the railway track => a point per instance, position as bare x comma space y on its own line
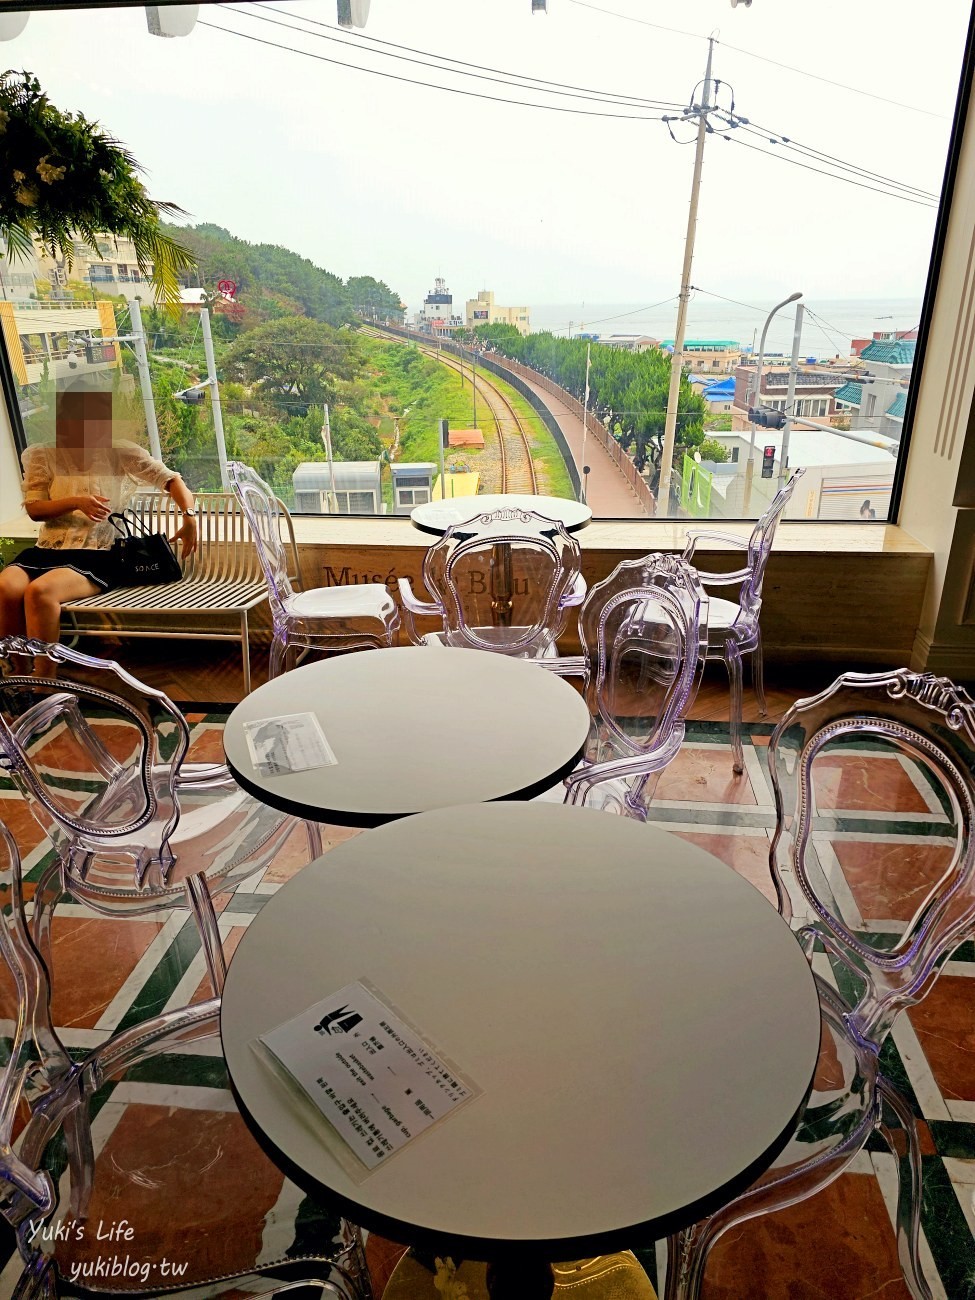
517, 469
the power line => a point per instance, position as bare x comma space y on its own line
822, 172
603, 320
841, 85
643, 22
614, 96
451, 90
787, 142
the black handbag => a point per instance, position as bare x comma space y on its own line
141, 558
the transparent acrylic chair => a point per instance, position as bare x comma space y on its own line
733, 627
100, 760
501, 581
99, 757
644, 637
166, 1157
867, 979
325, 618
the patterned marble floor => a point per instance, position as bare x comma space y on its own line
892, 834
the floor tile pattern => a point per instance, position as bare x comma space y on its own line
890, 840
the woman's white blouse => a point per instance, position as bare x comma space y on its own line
116, 472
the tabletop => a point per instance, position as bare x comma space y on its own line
415, 728
642, 1024
437, 516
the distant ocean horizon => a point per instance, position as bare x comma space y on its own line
839, 321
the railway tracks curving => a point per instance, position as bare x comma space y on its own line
516, 466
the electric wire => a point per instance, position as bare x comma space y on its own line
842, 85
574, 111
893, 194
412, 81
636, 100
787, 142
788, 67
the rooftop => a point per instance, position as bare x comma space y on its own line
896, 352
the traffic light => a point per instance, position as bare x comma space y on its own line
765, 418
768, 462
191, 396
445, 434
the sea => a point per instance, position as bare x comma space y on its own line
829, 324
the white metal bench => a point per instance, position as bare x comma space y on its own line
223, 576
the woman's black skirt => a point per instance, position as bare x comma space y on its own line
96, 565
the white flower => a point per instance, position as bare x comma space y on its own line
49, 174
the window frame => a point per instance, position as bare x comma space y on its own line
8, 384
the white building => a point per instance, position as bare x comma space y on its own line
483, 310
844, 479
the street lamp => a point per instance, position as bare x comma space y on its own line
754, 396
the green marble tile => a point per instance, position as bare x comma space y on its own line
953, 1139
947, 1231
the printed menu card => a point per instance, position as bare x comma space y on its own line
369, 1073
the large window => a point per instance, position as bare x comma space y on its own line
438, 217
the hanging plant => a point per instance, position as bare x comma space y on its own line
63, 178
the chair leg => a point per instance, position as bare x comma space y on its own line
201, 905
758, 674
733, 660
81, 1156
279, 648
314, 834
894, 1108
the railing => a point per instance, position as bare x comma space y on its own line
594, 427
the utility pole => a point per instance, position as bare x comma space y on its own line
670, 425
145, 378
585, 417
790, 397
215, 398
474, 383
333, 505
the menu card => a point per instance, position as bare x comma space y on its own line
293, 742
369, 1073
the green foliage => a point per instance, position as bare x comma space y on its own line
295, 359
66, 178
719, 423
711, 449
627, 390
271, 281
374, 298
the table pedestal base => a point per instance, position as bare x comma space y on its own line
607, 1277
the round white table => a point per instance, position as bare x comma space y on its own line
437, 516
414, 729
642, 1024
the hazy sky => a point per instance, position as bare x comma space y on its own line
372, 176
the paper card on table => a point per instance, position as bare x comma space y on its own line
371, 1075
293, 742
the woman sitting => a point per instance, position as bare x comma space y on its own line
72, 488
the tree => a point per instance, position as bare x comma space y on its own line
373, 298
296, 359
65, 178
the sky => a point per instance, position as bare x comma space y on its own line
366, 175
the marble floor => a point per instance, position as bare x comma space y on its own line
176, 1162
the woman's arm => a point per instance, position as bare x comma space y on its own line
183, 497
95, 507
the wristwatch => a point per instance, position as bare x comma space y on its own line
189, 514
